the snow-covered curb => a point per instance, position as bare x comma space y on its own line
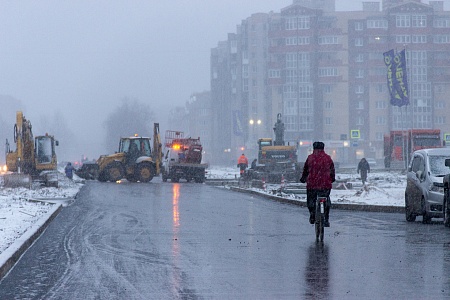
12, 254
339, 204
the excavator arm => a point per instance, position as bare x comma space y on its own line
157, 148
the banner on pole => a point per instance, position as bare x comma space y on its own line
397, 77
237, 123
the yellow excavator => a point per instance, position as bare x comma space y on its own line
33, 159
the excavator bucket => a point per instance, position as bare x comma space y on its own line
14, 180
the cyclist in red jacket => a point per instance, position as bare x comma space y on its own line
319, 174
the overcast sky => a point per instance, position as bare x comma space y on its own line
82, 57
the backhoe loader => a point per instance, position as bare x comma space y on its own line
135, 160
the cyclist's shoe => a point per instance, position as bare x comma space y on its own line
326, 223
312, 219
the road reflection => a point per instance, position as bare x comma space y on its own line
176, 273
317, 272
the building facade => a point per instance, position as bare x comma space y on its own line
324, 71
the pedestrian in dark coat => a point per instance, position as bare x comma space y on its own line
363, 169
69, 170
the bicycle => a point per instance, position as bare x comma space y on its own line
321, 203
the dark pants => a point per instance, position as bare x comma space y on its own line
242, 168
311, 197
363, 176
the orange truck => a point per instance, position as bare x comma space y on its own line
400, 144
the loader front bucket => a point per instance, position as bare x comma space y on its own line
14, 180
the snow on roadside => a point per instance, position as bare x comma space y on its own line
21, 208
385, 188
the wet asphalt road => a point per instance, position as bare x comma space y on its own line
193, 241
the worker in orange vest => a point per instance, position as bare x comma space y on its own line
242, 163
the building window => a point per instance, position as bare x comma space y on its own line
326, 89
291, 41
440, 120
419, 74
380, 105
328, 121
380, 120
291, 60
305, 91
442, 23
303, 40
419, 39
359, 26
304, 22
403, 39
245, 85
359, 89
290, 23
328, 40
360, 105
418, 21
359, 42
377, 24
328, 105
439, 89
245, 71
439, 104
328, 72
273, 73
360, 121
403, 21
441, 39
379, 88
359, 57
379, 136
359, 73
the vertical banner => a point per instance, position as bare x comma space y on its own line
397, 77
389, 62
237, 123
400, 79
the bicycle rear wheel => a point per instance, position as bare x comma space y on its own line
319, 229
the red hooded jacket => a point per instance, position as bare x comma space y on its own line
318, 172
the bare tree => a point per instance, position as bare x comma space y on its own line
131, 117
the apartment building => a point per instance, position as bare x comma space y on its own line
324, 71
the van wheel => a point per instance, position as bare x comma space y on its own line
410, 216
426, 219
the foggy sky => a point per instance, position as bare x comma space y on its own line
80, 58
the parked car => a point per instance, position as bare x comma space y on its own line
424, 192
446, 202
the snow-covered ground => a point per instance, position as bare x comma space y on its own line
382, 188
19, 210
22, 208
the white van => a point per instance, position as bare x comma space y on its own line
424, 192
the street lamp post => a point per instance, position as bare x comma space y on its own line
253, 123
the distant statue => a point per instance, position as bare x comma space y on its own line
279, 132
